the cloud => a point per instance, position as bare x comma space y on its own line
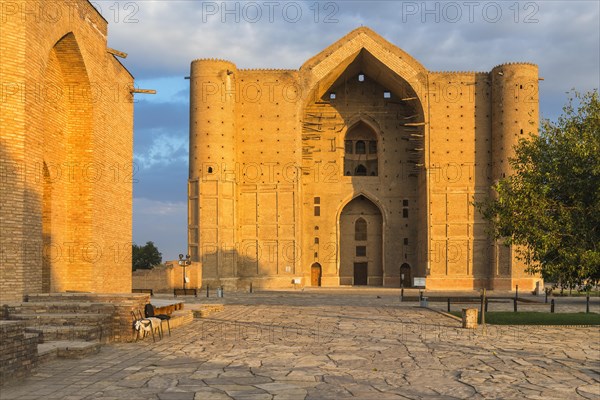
163, 222
556, 35
164, 150
169, 89
148, 207
163, 37
173, 116
162, 182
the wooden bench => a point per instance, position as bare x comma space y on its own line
149, 291
185, 292
164, 306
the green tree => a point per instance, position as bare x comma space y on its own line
550, 207
145, 257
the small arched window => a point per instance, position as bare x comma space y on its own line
361, 148
361, 152
372, 147
348, 146
360, 230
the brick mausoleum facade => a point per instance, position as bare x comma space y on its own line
65, 152
358, 168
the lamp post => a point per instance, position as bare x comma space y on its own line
184, 263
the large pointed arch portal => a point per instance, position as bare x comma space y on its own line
361, 261
67, 141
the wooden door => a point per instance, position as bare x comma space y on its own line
360, 273
405, 270
315, 275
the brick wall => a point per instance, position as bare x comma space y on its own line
121, 329
166, 278
18, 352
66, 115
253, 198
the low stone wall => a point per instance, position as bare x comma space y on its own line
122, 321
181, 317
18, 351
165, 278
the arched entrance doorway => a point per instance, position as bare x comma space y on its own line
315, 274
405, 275
361, 261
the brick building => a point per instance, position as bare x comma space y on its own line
356, 169
66, 120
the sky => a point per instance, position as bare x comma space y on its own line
163, 37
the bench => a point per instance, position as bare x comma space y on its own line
149, 291
185, 292
163, 306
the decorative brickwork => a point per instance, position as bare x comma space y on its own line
284, 164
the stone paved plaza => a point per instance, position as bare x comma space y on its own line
330, 345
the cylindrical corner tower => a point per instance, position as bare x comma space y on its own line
212, 175
515, 109
212, 119
515, 116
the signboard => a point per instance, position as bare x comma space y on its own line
419, 282
297, 281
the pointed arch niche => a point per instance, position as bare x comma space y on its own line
361, 241
67, 140
360, 155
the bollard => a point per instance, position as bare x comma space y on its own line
469, 318
250, 287
587, 303
546, 299
483, 306
222, 292
515, 304
448, 304
401, 294
517, 292
207, 290
552, 306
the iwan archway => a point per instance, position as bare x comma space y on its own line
67, 140
361, 234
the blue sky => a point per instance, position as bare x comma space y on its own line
163, 37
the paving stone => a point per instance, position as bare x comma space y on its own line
278, 388
161, 382
366, 348
210, 393
176, 396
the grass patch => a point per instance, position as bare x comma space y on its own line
537, 318
575, 293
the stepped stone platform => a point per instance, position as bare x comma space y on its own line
71, 325
204, 310
117, 327
18, 351
68, 349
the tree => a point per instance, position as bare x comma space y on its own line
550, 207
145, 257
